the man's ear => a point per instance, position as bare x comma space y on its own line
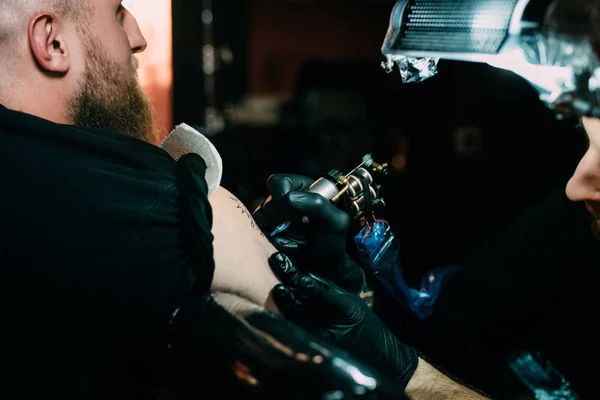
48, 45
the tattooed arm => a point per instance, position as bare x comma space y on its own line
241, 252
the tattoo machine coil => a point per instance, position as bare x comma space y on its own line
356, 192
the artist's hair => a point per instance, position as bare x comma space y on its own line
576, 17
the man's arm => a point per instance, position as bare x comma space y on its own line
236, 305
427, 383
241, 252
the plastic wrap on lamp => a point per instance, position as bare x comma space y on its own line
184, 140
413, 70
508, 34
564, 70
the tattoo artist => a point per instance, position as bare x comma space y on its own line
321, 287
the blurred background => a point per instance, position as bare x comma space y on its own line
297, 86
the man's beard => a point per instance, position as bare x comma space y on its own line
110, 99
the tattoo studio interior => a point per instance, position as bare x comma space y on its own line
341, 199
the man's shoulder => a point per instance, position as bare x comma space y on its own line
38, 149
83, 187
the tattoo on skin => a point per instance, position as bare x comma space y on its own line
245, 211
366, 293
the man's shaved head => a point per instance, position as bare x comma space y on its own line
72, 61
14, 18
15, 14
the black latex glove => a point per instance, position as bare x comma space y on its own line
318, 235
340, 318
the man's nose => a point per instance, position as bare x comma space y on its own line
584, 185
136, 38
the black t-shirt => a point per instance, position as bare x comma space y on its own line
102, 236
534, 288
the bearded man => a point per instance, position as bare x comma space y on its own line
104, 236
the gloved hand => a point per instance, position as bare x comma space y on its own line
341, 318
317, 237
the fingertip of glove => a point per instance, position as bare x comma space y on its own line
308, 284
307, 281
282, 296
277, 258
284, 243
280, 290
282, 265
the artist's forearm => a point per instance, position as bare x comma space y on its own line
427, 383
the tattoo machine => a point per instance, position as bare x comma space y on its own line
521, 36
356, 192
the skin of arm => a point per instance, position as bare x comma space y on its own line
236, 305
241, 252
427, 383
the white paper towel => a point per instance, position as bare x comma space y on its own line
184, 140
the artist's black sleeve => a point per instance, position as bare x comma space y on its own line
527, 288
